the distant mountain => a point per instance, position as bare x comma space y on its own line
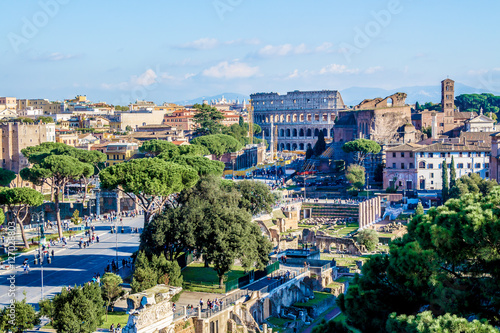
422, 94
227, 96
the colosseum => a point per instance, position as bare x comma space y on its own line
298, 116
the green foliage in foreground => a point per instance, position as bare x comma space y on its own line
448, 261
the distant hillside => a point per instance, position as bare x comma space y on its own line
422, 94
227, 96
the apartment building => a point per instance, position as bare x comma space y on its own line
418, 167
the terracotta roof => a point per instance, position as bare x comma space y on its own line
405, 147
464, 115
439, 147
477, 136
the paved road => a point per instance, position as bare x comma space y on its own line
71, 265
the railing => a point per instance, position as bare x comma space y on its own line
227, 302
178, 313
325, 267
281, 278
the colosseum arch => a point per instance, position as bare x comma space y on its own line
301, 146
282, 132
288, 146
301, 117
294, 132
288, 118
294, 118
316, 117
316, 132
294, 146
331, 132
282, 146
325, 132
282, 118
309, 117
309, 146
301, 132
309, 132
287, 132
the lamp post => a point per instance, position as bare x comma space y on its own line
39, 216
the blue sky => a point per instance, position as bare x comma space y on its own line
119, 51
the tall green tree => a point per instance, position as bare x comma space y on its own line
18, 317
6, 177
150, 180
448, 262
218, 144
453, 174
201, 164
111, 289
355, 174
193, 150
56, 171
368, 238
208, 118
420, 209
18, 200
320, 145
156, 147
157, 270
361, 149
445, 191
79, 310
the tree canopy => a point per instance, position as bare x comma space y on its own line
157, 270
79, 310
156, 147
355, 174
22, 318
201, 164
368, 238
474, 103
208, 118
18, 200
6, 177
218, 144
214, 219
448, 262
361, 148
151, 180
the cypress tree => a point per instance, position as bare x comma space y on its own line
446, 188
453, 174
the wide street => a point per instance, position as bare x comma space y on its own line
72, 265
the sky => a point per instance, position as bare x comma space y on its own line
165, 51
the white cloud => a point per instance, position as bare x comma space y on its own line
201, 44
231, 70
293, 75
278, 50
374, 69
212, 43
326, 46
56, 56
145, 79
338, 69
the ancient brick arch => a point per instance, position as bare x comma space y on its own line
324, 242
398, 99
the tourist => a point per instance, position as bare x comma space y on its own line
201, 304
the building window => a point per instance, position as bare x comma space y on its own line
394, 165
430, 166
421, 165
411, 154
460, 166
468, 165
448, 165
393, 154
486, 165
487, 174
432, 182
431, 154
402, 154
432, 174
449, 154
469, 154
460, 154
411, 166
421, 154
402, 165
478, 165
443, 155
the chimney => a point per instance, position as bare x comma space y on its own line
433, 125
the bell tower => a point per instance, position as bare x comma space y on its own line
447, 103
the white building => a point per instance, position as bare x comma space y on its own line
480, 123
418, 167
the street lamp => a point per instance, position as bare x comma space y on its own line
39, 216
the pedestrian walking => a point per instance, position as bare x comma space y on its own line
53, 254
201, 304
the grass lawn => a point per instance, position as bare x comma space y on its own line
115, 318
278, 323
318, 298
206, 279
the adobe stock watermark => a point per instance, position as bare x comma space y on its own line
32, 26
223, 6
10, 246
363, 36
